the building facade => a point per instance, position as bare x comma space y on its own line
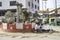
31, 5
55, 12
58, 11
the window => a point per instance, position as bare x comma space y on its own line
38, 7
29, 4
35, 0
38, 1
32, 5
52, 20
12, 3
35, 6
0, 3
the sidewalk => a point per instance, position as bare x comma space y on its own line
31, 36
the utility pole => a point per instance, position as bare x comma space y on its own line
44, 4
18, 11
55, 7
44, 7
55, 11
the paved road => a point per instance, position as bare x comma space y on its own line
30, 36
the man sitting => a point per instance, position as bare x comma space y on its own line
38, 27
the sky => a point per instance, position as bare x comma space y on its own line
50, 4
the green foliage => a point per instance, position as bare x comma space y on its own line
36, 14
9, 14
21, 5
10, 21
9, 17
26, 15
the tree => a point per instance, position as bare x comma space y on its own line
19, 11
23, 12
9, 14
9, 17
36, 14
26, 15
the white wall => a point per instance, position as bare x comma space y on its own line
4, 26
34, 3
6, 4
19, 25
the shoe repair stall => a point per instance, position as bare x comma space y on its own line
54, 21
